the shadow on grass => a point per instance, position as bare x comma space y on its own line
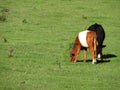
103, 61
105, 56
98, 61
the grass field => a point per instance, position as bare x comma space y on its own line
41, 33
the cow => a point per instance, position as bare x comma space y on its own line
85, 39
100, 38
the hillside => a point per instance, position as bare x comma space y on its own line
36, 37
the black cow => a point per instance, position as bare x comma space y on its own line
100, 38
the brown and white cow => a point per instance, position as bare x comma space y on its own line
85, 39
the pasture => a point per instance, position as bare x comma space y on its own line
41, 33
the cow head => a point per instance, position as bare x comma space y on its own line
73, 56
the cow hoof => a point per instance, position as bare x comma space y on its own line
94, 62
74, 61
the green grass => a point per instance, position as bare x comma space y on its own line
41, 32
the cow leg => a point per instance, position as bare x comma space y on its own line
84, 51
99, 56
99, 52
94, 61
94, 57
